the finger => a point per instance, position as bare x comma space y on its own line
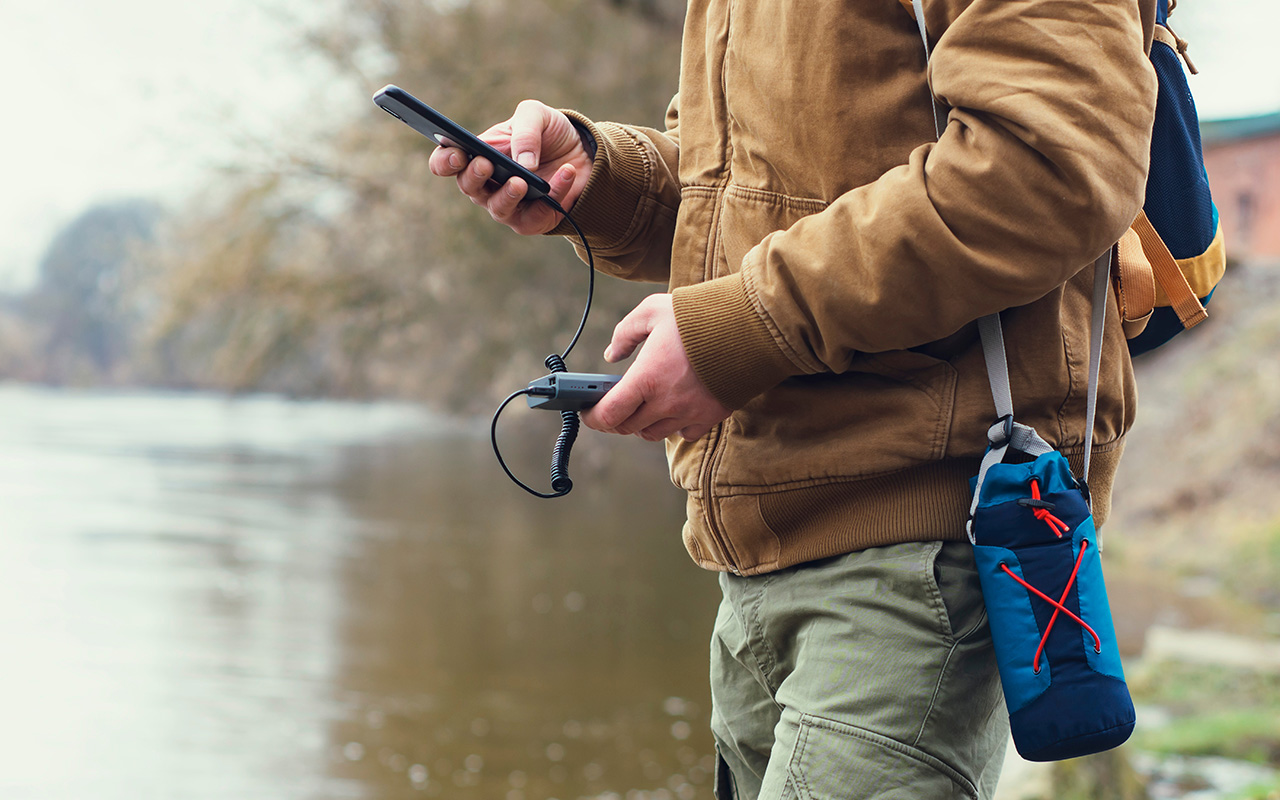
528, 126
499, 137
661, 429
503, 203
447, 161
561, 183
473, 181
629, 333
618, 405
537, 218
645, 416
693, 433
631, 411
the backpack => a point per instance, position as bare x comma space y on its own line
1172, 257
1170, 260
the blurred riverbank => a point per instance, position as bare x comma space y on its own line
260, 598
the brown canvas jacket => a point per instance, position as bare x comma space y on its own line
828, 255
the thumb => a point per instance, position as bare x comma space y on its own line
528, 125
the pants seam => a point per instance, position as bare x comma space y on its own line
937, 689
794, 772
766, 664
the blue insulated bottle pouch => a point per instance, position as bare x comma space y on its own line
1037, 556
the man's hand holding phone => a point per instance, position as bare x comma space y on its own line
539, 138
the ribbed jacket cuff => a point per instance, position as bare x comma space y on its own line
727, 342
620, 174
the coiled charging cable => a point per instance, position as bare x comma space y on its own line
569, 422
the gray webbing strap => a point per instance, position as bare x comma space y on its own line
1101, 284
993, 353
918, 7
1101, 289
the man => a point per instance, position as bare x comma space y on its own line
815, 367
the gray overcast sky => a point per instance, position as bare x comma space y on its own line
102, 100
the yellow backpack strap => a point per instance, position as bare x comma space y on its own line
1170, 278
1135, 284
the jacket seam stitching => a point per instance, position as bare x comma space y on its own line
753, 194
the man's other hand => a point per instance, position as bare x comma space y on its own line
660, 395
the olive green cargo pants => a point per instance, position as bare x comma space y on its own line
869, 675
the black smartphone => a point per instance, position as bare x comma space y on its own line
436, 126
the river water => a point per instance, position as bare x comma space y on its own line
261, 598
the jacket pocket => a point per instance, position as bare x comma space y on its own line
890, 411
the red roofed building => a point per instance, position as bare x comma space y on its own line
1242, 158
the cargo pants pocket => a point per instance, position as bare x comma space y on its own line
834, 761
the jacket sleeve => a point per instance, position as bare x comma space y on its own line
628, 208
1041, 167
